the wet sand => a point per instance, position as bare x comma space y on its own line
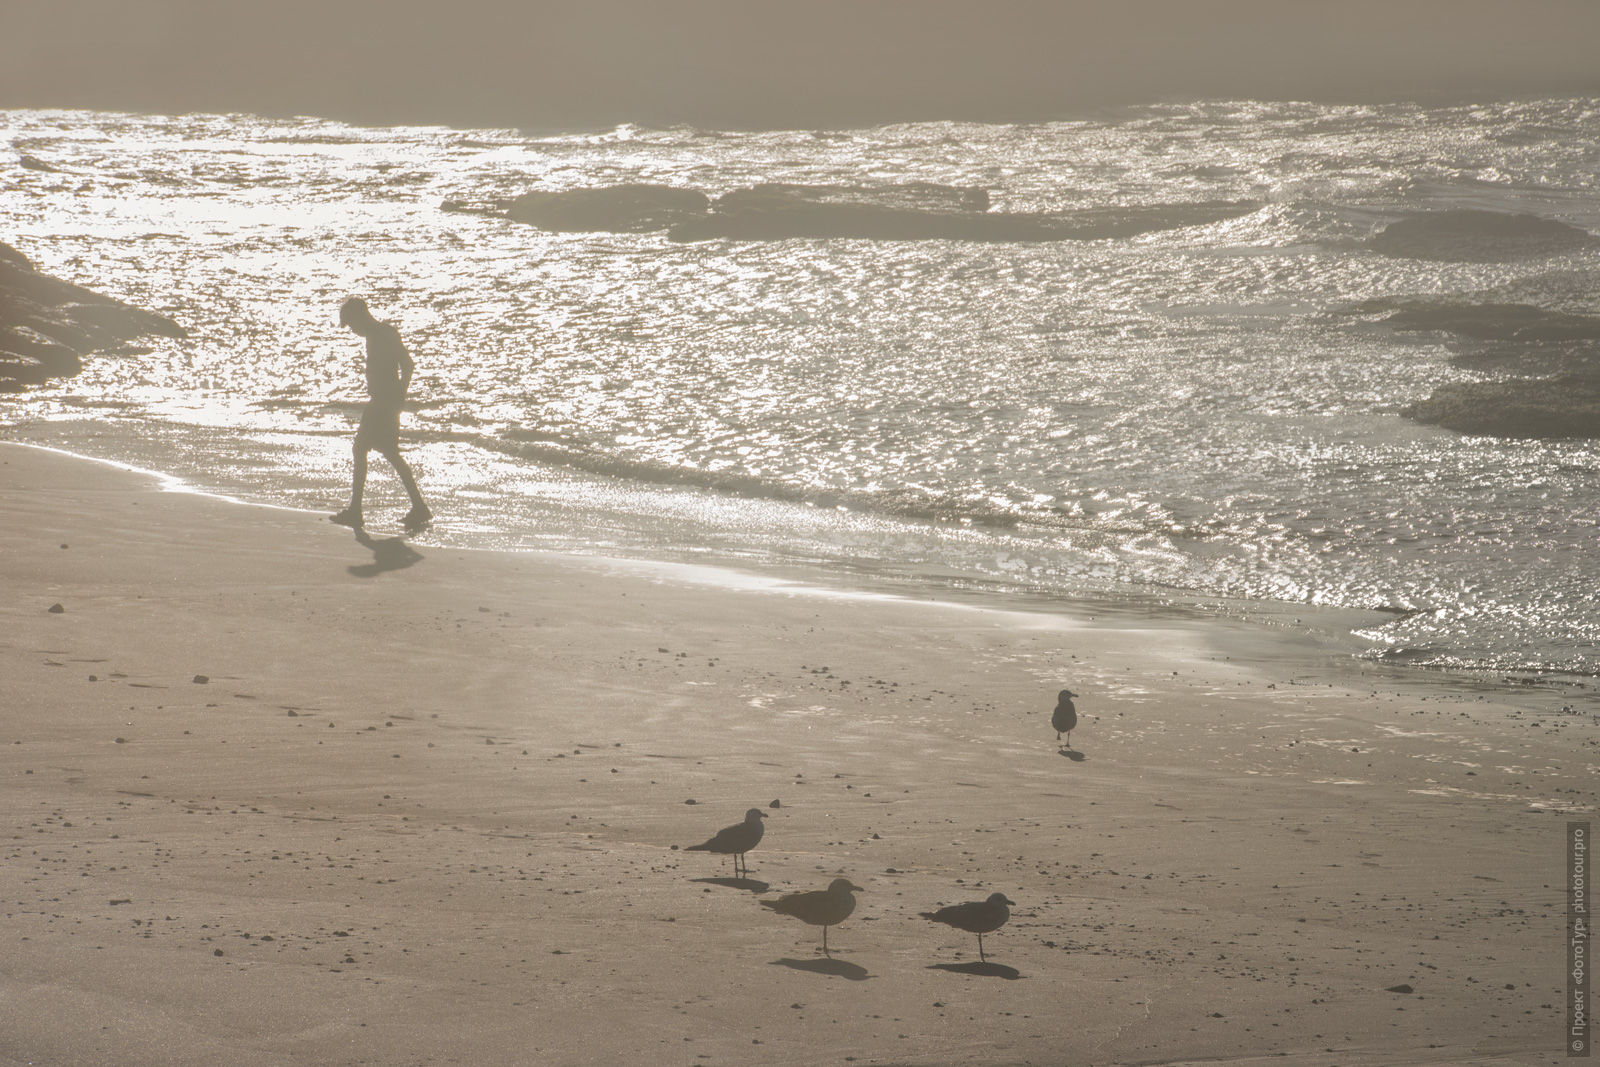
273, 795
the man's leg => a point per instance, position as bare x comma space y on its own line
351, 516
419, 512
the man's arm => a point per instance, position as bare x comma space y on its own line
395, 361
406, 368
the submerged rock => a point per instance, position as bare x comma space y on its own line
48, 325
1523, 323
1567, 406
632, 208
775, 213
905, 196
1469, 235
494, 207
1510, 339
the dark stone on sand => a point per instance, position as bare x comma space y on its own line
56, 609
634, 208
1542, 408
201, 679
48, 325
1399, 989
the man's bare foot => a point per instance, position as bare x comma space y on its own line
350, 517
417, 517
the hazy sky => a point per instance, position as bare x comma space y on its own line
537, 64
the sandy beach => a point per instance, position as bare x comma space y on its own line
275, 795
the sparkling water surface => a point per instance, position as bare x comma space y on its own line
1188, 414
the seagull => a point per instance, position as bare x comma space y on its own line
977, 917
820, 907
735, 840
1065, 717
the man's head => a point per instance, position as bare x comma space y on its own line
354, 314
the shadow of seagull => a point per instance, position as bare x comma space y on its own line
837, 968
752, 884
982, 970
388, 554
1072, 754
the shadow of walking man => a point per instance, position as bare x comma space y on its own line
388, 554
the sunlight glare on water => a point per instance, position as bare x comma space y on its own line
1202, 411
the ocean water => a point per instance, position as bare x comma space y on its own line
1205, 413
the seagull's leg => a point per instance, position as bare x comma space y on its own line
981, 957
825, 951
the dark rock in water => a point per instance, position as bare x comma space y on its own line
1463, 235
1567, 406
109, 323
494, 207
612, 209
17, 370
908, 213
1498, 322
48, 325
905, 196
1530, 361
1508, 338
55, 357
30, 163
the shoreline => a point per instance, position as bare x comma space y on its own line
1321, 639
282, 796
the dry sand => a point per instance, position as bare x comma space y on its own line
271, 795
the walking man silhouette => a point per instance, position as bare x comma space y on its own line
389, 370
